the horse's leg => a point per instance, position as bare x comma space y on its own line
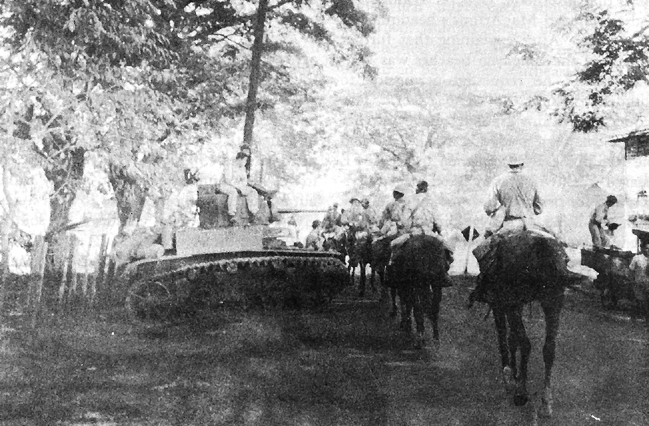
519, 340
405, 299
393, 299
388, 281
433, 299
381, 274
552, 312
500, 320
418, 303
361, 266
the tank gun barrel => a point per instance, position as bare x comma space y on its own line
281, 211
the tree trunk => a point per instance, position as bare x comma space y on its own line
129, 193
64, 168
65, 177
6, 227
255, 72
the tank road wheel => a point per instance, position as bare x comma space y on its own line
151, 300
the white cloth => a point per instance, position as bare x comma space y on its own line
638, 268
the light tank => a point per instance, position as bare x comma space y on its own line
218, 264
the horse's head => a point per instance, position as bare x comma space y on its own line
333, 241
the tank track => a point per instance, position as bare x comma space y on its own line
172, 287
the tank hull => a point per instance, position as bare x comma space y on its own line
172, 286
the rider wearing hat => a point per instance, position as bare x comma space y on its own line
512, 204
514, 197
353, 216
420, 217
370, 217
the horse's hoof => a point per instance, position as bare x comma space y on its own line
546, 409
521, 399
420, 341
546, 404
508, 379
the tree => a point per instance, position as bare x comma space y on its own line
189, 55
617, 62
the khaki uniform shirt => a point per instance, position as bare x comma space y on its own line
516, 193
353, 217
421, 213
392, 217
236, 174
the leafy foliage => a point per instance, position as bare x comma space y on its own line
617, 63
140, 82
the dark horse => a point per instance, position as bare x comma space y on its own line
380, 260
525, 267
359, 249
418, 273
334, 242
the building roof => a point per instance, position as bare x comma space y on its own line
636, 143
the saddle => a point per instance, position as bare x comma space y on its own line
520, 267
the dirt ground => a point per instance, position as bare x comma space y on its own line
346, 364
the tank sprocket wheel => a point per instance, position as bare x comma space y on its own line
151, 300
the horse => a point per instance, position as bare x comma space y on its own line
418, 273
525, 267
359, 249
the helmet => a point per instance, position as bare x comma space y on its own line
422, 185
351, 200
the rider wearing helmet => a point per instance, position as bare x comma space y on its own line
392, 219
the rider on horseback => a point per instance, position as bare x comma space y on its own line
353, 216
391, 223
421, 218
370, 216
513, 202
